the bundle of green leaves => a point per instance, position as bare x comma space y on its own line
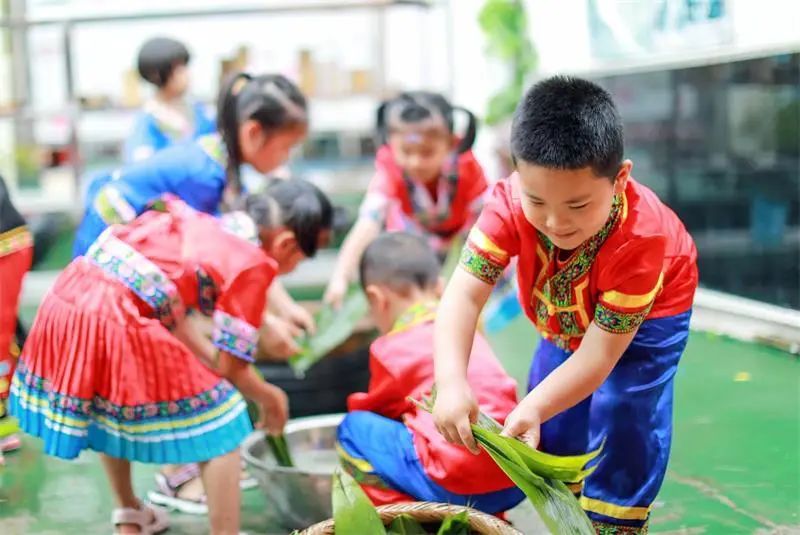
333, 328
353, 513
541, 476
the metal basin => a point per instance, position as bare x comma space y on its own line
299, 496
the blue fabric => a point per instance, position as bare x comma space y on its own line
389, 447
147, 133
186, 171
65, 431
632, 410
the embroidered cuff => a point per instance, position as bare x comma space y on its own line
619, 322
480, 264
234, 336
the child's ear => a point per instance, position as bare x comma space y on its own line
621, 180
284, 243
376, 296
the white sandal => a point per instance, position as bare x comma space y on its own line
141, 517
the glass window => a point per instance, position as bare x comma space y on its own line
721, 145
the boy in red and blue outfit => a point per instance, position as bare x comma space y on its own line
607, 274
391, 446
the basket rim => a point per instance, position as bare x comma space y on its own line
429, 511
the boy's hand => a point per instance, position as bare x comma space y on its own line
453, 412
523, 423
274, 409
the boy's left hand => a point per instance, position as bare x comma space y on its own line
523, 423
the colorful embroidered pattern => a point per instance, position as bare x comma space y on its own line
418, 313
15, 240
98, 406
234, 336
619, 322
601, 528
135, 271
480, 264
112, 207
207, 293
558, 291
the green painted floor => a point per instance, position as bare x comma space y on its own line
735, 466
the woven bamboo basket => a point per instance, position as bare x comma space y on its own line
428, 512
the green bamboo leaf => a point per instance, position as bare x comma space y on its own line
532, 472
280, 450
455, 525
557, 507
405, 525
353, 511
333, 328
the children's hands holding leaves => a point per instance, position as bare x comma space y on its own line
453, 412
524, 423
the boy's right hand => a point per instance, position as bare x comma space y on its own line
453, 412
335, 292
274, 409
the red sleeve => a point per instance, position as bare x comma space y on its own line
383, 187
238, 311
386, 394
493, 239
629, 284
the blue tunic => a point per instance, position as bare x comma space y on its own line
151, 134
194, 172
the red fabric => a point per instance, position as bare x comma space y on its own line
472, 185
647, 247
401, 365
13, 268
182, 240
94, 337
382, 496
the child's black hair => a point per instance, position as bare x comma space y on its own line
400, 261
158, 57
270, 99
417, 106
296, 204
568, 123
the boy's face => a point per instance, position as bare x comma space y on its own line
569, 206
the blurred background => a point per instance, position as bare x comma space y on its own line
709, 91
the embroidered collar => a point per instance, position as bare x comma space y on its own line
414, 315
428, 212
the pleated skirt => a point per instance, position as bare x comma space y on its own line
98, 373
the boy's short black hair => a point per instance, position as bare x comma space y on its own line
400, 261
568, 123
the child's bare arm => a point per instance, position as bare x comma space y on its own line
273, 401
456, 322
360, 236
569, 384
